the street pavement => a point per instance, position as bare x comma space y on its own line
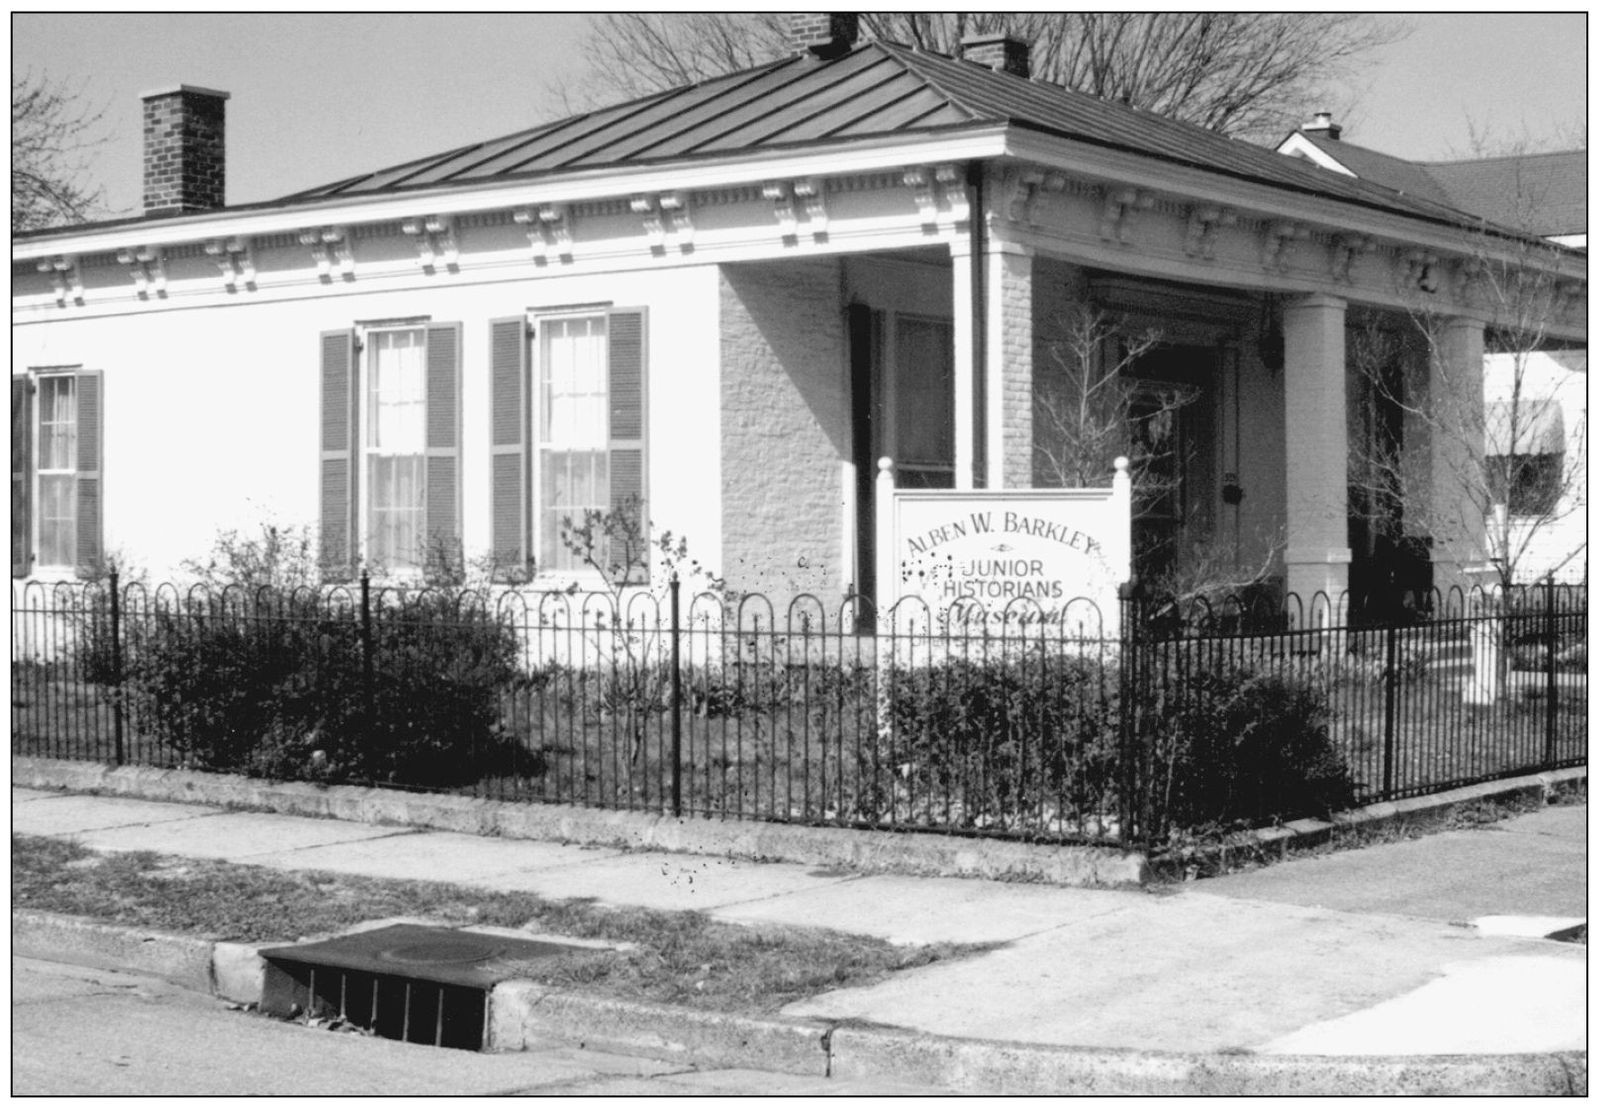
81, 1031
1319, 955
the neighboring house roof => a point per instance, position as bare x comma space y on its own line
876, 90
1543, 193
1398, 174
1546, 193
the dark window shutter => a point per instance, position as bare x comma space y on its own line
509, 447
627, 421
88, 470
22, 482
444, 378
337, 551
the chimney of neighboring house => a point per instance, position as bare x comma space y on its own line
184, 160
999, 52
824, 34
1323, 123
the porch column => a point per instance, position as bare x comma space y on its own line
1458, 500
1009, 353
1317, 556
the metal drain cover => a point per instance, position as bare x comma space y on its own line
438, 953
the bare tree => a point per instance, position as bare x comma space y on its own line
1499, 468
1084, 417
1239, 73
52, 133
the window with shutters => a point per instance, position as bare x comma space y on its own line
56, 472
390, 448
568, 434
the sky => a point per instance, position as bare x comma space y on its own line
316, 98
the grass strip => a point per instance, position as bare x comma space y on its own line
682, 958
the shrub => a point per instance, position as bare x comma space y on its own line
441, 666
262, 692
1001, 740
1238, 743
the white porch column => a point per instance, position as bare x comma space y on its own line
1458, 501
1009, 401
1315, 447
962, 318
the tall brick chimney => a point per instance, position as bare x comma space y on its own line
184, 161
824, 34
999, 52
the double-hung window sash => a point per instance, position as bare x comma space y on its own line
390, 448
394, 466
572, 430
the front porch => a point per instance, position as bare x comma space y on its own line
1245, 409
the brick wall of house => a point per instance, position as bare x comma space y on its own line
1017, 342
785, 428
1058, 289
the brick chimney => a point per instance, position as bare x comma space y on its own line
999, 52
184, 160
824, 34
1322, 124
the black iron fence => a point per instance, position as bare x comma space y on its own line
1125, 723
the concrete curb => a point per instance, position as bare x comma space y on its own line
978, 1066
524, 1014
187, 962
862, 850
1266, 844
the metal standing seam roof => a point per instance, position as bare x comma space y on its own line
877, 90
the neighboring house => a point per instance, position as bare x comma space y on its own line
1536, 403
724, 303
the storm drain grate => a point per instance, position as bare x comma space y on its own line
425, 984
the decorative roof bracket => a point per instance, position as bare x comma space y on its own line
436, 241
1418, 271
1120, 206
677, 208
1276, 242
667, 218
954, 186
1028, 189
234, 257
812, 197
550, 231
922, 184
800, 207
1204, 223
65, 278
1343, 254
781, 197
145, 265
330, 249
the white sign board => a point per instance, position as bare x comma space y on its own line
1020, 555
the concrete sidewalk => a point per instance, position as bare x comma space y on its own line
1229, 967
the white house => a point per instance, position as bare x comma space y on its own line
726, 302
